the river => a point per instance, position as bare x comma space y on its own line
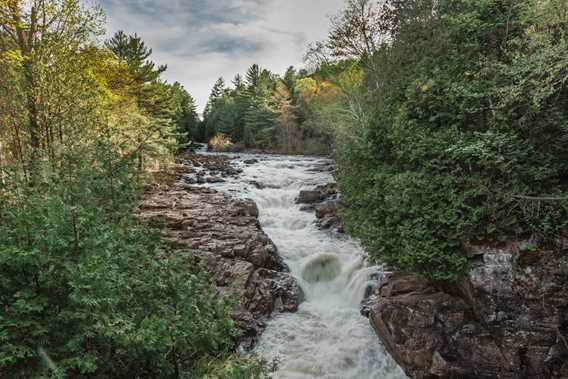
327, 338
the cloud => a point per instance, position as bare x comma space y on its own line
201, 40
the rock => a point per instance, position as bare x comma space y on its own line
246, 207
326, 201
506, 319
257, 185
327, 208
307, 208
327, 190
270, 291
214, 179
308, 197
250, 161
322, 167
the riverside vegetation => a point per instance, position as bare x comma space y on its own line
86, 290
447, 120
455, 132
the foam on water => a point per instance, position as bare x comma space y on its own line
327, 338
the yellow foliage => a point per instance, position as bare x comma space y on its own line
11, 56
220, 142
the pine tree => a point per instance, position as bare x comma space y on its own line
132, 51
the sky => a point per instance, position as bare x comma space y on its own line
201, 40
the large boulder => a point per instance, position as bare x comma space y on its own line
507, 319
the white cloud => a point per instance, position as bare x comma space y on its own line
201, 40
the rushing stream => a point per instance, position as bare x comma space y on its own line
327, 337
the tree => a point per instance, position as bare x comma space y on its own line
287, 133
443, 150
44, 35
218, 89
87, 289
132, 51
253, 76
357, 31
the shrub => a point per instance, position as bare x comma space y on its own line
464, 134
87, 291
219, 143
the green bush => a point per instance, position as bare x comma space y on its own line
87, 291
466, 136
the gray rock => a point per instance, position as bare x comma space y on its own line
309, 197
506, 319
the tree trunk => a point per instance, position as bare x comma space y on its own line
26, 41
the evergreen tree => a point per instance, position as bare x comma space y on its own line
132, 51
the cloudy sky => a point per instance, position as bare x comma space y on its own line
201, 40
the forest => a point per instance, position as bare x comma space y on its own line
85, 288
447, 121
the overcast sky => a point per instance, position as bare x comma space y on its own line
201, 40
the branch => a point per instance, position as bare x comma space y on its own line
540, 198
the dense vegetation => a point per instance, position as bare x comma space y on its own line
269, 112
85, 289
457, 132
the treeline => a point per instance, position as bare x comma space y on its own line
457, 132
266, 111
85, 289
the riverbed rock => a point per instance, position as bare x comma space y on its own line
225, 237
309, 197
508, 318
327, 202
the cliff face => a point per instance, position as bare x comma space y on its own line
507, 319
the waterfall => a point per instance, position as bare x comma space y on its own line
327, 338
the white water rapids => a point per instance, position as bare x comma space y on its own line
327, 338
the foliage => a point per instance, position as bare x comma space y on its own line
220, 143
86, 291
458, 132
265, 111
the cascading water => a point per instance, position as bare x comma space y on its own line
327, 337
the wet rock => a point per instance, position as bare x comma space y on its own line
326, 201
309, 197
328, 208
322, 167
271, 291
257, 185
327, 190
307, 208
214, 179
506, 319
251, 161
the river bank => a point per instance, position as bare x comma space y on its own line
223, 234
219, 200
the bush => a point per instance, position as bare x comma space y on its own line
464, 137
219, 143
87, 291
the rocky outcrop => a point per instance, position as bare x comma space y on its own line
326, 202
203, 169
507, 319
224, 235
